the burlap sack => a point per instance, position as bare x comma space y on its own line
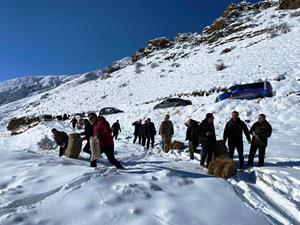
95, 148
74, 146
220, 150
224, 168
229, 169
177, 145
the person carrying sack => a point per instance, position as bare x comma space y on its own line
102, 131
61, 138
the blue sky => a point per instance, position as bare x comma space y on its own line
54, 37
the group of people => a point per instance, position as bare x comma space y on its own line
197, 133
204, 133
94, 126
144, 133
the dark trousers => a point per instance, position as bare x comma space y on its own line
143, 140
115, 135
110, 154
261, 154
206, 153
136, 137
87, 148
191, 149
150, 138
240, 150
62, 150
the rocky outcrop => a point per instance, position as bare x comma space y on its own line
153, 45
229, 22
289, 4
17, 123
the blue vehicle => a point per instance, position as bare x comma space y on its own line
247, 91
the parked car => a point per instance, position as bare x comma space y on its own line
173, 102
47, 117
109, 110
247, 91
59, 117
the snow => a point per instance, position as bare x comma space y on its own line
38, 187
44, 189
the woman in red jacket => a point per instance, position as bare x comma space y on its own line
103, 132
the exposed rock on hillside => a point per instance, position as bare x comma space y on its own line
289, 4
153, 45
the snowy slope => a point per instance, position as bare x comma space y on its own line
161, 188
19, 88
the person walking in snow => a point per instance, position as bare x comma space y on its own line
87, 133
166, 132
137, 126
150, 132
101, 130
65, 117
116, 129
234, 133
74, 122
207, 138
260, 131
142, 133
61, 138
192, 136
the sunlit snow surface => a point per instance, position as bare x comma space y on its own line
37, 187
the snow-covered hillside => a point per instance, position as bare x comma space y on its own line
20, 88
248, 43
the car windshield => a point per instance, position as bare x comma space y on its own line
231, 89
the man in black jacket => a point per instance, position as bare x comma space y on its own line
207, 138
87, 133
234, 133
61, 138
137, 126
116, 129
150, 132
74, 122
261, 131
192, 135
